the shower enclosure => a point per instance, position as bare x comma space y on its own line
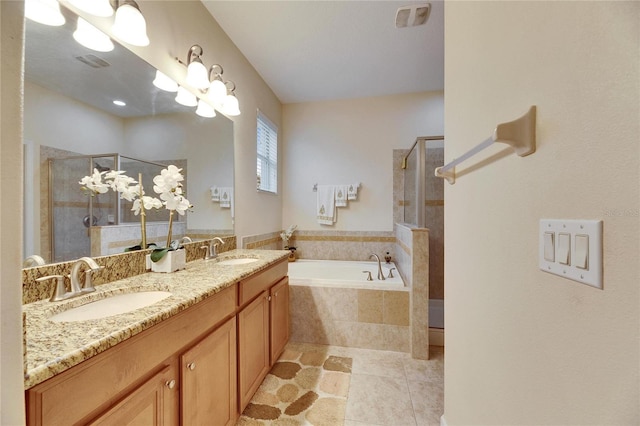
424, 208
72, 212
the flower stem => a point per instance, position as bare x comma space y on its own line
170, 227
143, 216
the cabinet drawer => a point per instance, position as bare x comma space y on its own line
256, 284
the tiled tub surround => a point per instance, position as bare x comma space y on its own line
268, 241
359, 318
342, 245
54, 347
332, 303
114, 239
413, 263
117, 267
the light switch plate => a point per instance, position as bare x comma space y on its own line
593, 229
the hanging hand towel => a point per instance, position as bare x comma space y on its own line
341, 195
352, 191
326, 208
226, 195
215, 194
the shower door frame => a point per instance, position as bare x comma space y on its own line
420, 143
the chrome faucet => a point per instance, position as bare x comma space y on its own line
211, 251
380, 274
76, 289
186, 239
60, 290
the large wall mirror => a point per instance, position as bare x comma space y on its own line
71, 126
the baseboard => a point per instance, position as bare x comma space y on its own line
443, 422
436, 336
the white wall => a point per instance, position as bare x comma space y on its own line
347, 141
523, 346
206, 144
61, 122
173, 27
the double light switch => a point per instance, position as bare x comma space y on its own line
572, 249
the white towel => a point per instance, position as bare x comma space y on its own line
326, 207
341, 195
215, 194
352, 191
226, 195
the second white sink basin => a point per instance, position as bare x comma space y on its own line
113, 305
237, 261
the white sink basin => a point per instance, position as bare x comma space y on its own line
113, 305
237, 261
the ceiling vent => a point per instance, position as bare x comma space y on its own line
93, 61
411, 16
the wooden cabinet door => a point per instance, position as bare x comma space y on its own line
253, 347
154, 403
209, 379
279, 324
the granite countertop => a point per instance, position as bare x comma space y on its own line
53, 347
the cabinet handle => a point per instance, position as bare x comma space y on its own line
268, 298
191, 366
171, 384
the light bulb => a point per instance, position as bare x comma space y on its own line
205, 110
186, 98
45, 12
94, 7
197, 75
130, 26
217, 92
230, 106
162, 81
91, 37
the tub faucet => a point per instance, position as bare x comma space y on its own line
380, 274
211, 251
76, 289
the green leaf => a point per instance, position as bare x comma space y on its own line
158, 254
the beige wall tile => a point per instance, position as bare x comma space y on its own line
370, 306
396, 308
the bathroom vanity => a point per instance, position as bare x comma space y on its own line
196, 357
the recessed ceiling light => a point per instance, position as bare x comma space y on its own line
119, 103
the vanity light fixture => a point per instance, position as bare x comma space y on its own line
164, 82
186, 98
230, 104
91, 37
45, 12
205, 110
197, 75
100, 8
129, 25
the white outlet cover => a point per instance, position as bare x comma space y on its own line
593, 228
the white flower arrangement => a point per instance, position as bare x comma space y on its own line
167, 184
286, 235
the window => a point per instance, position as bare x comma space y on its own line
267, 168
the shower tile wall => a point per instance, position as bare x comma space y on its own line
434, 221
434, 211
47, 152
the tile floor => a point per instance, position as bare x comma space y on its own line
390, 388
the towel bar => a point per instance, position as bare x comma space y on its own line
520, 134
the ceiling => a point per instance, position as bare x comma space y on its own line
319, 50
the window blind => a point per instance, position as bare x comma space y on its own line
267, 165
